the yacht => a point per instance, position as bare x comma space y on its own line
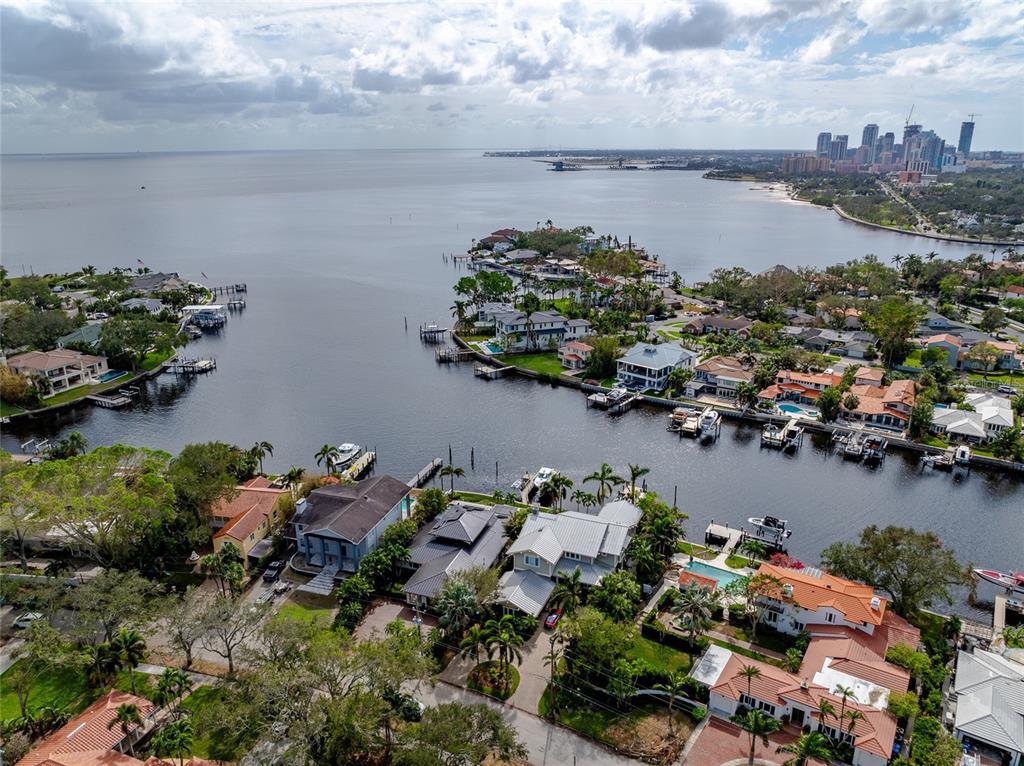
1013, 581
543, 477
709, 419
347, 454
962, 456
770, 526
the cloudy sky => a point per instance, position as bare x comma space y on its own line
166, 75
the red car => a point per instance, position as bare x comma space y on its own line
552, 619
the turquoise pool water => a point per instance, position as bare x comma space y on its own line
110, 375
723, 576
795, 410
493, 348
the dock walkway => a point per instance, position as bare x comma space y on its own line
426, 473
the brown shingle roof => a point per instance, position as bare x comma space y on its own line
352, 510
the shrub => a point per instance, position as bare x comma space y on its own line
737, 614
698, 714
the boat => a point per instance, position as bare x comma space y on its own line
770, 526
709, 419
874, 449
771, 435
610, 399
347, 454
792, 435
962, 456
543, 477
854, 448
1014, 581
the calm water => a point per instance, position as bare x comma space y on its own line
339, 248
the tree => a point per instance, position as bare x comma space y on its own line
172, 685
760, 589
675, 685
606, 481
71, 445
327, 454
261, 450
225, 566
583, 498
452, 471
557, 488
595, 641
474, 644
175, 739
794, 659
914, 568
851, 402
114, 599
678, 378
892, 321
758, 726
457, 606
43, 650
617, 595
825, 711
24, 503
126, 716
229, 625
131, 650
127, 340
755, 549
183, 622
810, 747
934, 355
503, 638
430, 504
661, 524
903, 705
984, 355
844, 693
602, 362
455, 734
635, 472
750, 672
203, 474
696, 606
648, 562
828, 403
921, 416
992, 320
568, 592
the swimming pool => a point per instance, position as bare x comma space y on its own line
493, 348
793, 409
723, 576
110, 375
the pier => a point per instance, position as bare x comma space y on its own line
192, 366
431, 333
359, 468
238, 287
771, 436
490, 373
426, 473
449, 354
236, 304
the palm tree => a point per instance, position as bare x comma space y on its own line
503, 638
74, 444
568, 593
473, 644
825, 711
606, 481
754, 549
131, 650
452, 471
172, 685
175, 739
664, 533
674, 686
458, 310
696, 605
758, 726
292, 478
635, 472
261, 450
457, 607
844, 693
812, 746
104, 664
750, 672
327, 455
852, 716
558, 487
128, 717
648, 563
578, 497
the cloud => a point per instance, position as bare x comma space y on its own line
706, 25
823, 48
437, 106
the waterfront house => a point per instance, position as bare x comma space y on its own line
465, 536
706, 324
94, 737
888, 406
248, 516
577, 329
521, 255
718, 376
339, 524
86, 336
575, 355
152, 305
554, 545
158, 282
648, 365
486, 312
948, 343
541, 330
803, 387
988, 700
60, 369
990, 416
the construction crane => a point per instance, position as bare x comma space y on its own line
972, 115
909, 115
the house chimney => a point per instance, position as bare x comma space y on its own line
876, 603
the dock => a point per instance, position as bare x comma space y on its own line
685, 421
771, 436
617, 408
109, 401
874, 449
853, 449
359, 468
450, 354
491, 373
526, 487
432, 333
193, 366
722, 536
238, 287
236, 304
792, 436
426, 473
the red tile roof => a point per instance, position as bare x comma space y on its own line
85, 740
245, 511
686, 577
944, 337
852, 599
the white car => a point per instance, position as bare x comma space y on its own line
23, 621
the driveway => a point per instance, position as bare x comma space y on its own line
548, 745
384, 612
721, 743
533, 673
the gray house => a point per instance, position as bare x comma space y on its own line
465, 536
648, 365
341, 523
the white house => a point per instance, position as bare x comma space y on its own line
544, 330
991, 416
554, 545
60, 369
988, 690
648, 365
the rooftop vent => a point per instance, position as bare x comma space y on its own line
876, 603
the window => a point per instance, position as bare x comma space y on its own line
531, 561
830, 617
573, 556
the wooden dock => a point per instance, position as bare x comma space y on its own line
236, 304
427, 473
238, 287
109, 401
192, 366
491, 373
450, 354
359, 468
722, 536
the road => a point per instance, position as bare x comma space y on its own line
549, 745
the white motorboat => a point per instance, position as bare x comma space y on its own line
770, 526
962, 456
709, 419
543, 477
1013, 581
347, 454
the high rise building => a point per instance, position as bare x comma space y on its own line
887, 142
966, 136
908, 132
824, 144
837, 149
868, 138
923, 151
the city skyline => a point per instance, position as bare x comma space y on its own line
722, 75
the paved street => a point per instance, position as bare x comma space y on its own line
549, 745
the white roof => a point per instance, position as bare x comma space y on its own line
711, 665
959, 422
994, 410
656, 356
620, 512
550, 535
525, 590
994, 713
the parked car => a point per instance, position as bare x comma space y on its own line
1005, 389
552, 619
265, 596
281, 586
273, 571
23, 621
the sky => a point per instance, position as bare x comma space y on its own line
166, 75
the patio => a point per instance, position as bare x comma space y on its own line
721, 742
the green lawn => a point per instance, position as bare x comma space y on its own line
913, 359
766, 638
77, 393
695, 550
61, 689
145, 684
746, 652
934, 441
479, 497
206, 745
478, 681
740, 562
545, 363
9, 409
154, 359
298, 608
1005, 376
660, 656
